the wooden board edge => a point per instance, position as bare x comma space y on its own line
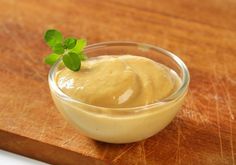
42, 151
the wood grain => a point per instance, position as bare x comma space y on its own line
202, 33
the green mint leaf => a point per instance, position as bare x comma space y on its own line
53, 37
72, 61
51, 58
58, 48
80, 45
71, 50
70, 43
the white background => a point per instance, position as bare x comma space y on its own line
7, 158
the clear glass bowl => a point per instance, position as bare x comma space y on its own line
122, 125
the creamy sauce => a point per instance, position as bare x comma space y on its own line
119, 81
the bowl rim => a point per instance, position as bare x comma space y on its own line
174, 96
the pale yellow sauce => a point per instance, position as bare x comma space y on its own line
119, 81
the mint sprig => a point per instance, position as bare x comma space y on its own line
71, 50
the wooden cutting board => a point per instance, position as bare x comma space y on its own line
202, 33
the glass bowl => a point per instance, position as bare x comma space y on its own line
122, 125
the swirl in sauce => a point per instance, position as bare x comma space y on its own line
119, 81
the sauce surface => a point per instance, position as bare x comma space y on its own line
119, 81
